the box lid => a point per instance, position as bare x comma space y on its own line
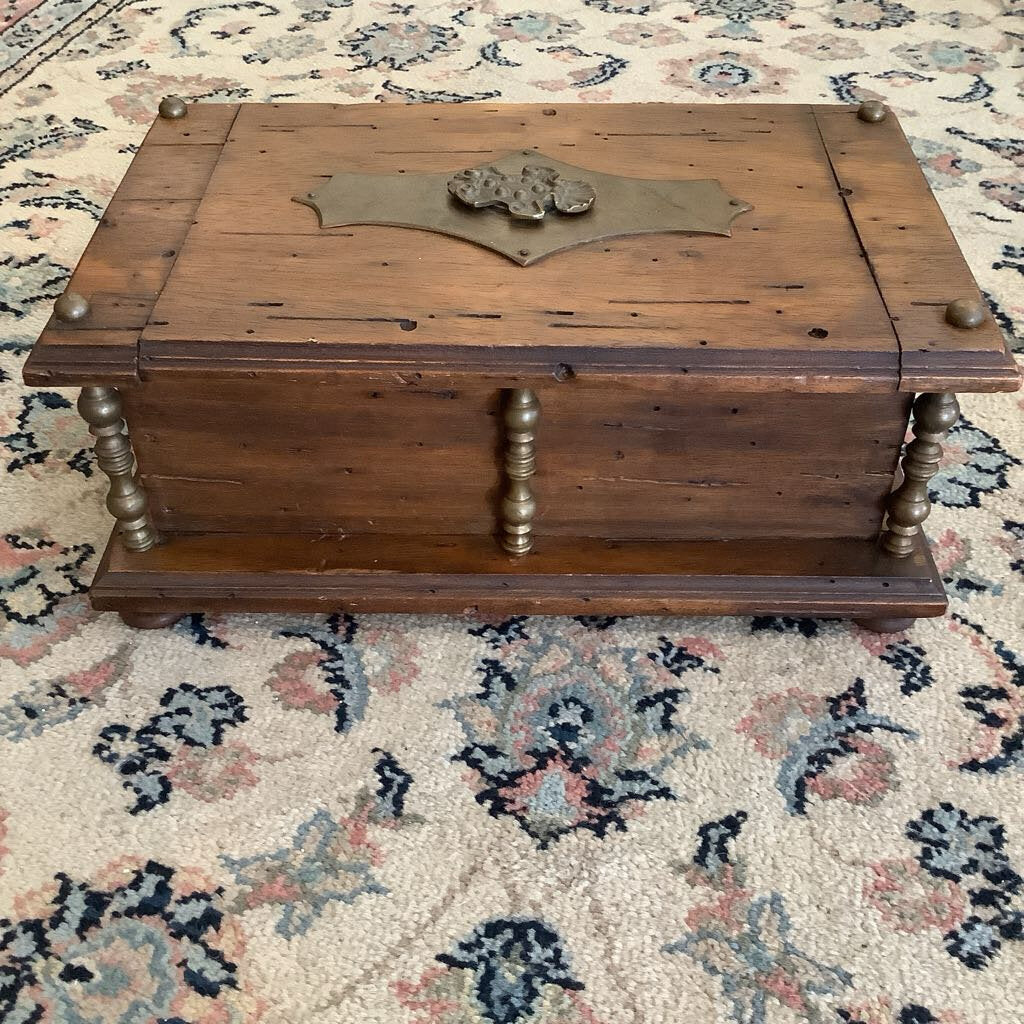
837, 279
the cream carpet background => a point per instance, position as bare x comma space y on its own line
545, 821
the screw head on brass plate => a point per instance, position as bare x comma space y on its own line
872, 111
966, 313
172, 107
70, 308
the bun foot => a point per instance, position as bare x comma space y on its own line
884, 625
149, 620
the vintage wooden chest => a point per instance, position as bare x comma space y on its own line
649, 358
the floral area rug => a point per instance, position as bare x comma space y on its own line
534, 821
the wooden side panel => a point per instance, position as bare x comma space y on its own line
338, 460
613, 461
915, 258
132, 251
617, 462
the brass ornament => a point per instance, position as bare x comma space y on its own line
909, 505
126, 501
966, 313
518, 507
172, 107
872, 111
626, 206
528, 195
70, 307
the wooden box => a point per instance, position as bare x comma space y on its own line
350, 417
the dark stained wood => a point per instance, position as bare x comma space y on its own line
277, 457
315, 412
708, 311
915, 258
450, 366
65, 357
614, 460
206, 124
170, 172
885, 625
471, 575
131, 252
617, 461
149, 620
763, 300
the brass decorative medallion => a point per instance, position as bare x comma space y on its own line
507, 205
527, 195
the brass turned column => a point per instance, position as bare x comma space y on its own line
909, 504
518, 507
126, 501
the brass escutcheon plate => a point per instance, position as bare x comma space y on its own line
623, 206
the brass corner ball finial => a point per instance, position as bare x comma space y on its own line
172, 107
966, 313
70, 308
872, 111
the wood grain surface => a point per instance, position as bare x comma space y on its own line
315, 412
613, 460
914, 257
312, 294
136, 242
835, 282
470, 575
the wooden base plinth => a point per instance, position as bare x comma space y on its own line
471, 575
885, 625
